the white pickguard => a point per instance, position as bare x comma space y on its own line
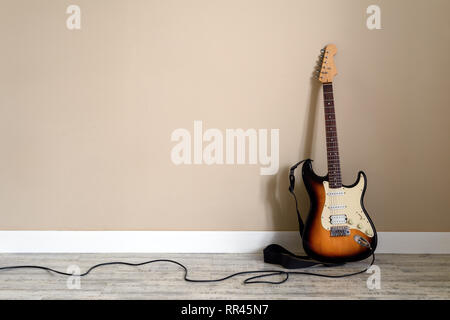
345, 201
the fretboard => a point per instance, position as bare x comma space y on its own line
334, 167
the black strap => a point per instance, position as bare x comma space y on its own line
275, 253
301, 225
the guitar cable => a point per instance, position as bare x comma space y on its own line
250, 280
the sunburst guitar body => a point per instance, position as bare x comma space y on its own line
337, 217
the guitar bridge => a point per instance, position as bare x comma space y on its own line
339, 231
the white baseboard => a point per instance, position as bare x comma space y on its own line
197, 241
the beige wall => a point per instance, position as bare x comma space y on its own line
86, 116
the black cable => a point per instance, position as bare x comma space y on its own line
250, 280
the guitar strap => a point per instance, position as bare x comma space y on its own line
275, 253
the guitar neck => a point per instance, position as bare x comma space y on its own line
334, 166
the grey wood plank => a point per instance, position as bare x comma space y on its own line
402, 277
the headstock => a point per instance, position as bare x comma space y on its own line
326, 69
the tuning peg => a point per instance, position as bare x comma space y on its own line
322, 50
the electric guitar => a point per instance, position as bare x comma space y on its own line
338, 228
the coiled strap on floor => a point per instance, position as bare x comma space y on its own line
275, 253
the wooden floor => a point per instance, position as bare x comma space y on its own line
402, 277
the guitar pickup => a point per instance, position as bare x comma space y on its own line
339, 231
336, 193
337, 207
338, 219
